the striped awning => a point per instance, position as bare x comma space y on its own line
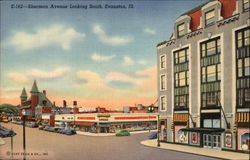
180, 117
242, 117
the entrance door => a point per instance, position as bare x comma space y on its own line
211, 141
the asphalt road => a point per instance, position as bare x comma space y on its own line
42, 145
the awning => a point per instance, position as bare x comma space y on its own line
82, 123
203, 130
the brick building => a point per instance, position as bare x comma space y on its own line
36, 105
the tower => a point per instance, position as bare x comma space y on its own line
34, 95
23, 96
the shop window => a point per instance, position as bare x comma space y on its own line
162, 62
181, 30
210, 17
245, 5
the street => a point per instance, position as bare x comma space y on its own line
52, 146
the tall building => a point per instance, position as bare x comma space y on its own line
36, 105
204, 77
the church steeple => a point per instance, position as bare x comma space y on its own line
34, 88
23, 95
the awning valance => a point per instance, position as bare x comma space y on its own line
204, 130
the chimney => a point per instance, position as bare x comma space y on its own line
44, 92
75, 103
64, 103
54, 103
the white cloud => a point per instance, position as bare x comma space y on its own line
58, 72
18, 77
101, 58
110, 40
142, 62
55, 35
149, 31
118, 76
127, 61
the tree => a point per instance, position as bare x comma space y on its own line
8, 108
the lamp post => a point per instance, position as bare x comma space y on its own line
11, 138
158, 136
150, 109
24, 136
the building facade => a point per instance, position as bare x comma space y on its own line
204, 77
107, 122
36, 105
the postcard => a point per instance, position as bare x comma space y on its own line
124, 79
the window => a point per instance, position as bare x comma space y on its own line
163, 103
162, 61
163, 82
181, 78
210, 72
243, 68
181, 29
210, 18
211, 123
245, 5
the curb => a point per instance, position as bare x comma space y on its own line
205, 155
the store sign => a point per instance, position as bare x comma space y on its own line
194, 137
228, 140
103, 118
103, 115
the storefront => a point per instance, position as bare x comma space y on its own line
108, 122
180, 121
243, 133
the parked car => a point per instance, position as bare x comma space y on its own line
18, 122
60, 130
69, 132
153, 135
123, 133
32, 125
46, 128
41, 127
5, 132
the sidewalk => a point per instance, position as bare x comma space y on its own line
198, 151
110, 134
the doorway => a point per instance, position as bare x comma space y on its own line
211, 141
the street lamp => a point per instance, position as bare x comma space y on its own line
24, 141
150, 109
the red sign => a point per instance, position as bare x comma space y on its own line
86, 118
129, 118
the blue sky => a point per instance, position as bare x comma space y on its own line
103, 57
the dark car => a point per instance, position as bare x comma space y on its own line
32, 125
5, 132
60, 130
69, 132
123, 133
153, 135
